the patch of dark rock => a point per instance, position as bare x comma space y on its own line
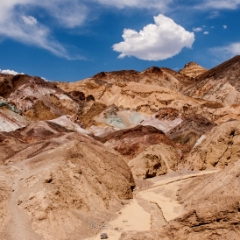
104, 236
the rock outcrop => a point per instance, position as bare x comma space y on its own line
156, 160
217, 148
193, 70
131, 142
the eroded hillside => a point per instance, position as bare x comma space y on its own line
94, 156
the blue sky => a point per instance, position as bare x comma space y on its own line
72, 40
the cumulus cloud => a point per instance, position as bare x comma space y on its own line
158, 41
197, 29
19, 22
8, 71
206, 32
225, 26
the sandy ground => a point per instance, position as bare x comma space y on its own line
139, 215
19, 225
131, 218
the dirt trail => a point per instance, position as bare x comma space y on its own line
19, 225
154, 204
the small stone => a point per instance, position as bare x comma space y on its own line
104, 236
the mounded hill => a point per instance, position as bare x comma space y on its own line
59, 180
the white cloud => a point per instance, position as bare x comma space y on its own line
225, 26
69, 14
32, 34
225, 52
220, 4
162, 5
18, 24
29, 20
18, 19
8, 71
206, 32
214, 14
229, 50
197, 29
158, 41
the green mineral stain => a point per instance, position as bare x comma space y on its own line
10, 107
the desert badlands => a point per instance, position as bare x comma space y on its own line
122, 155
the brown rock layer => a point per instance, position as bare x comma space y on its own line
131, 142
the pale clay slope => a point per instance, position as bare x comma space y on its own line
10, 121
